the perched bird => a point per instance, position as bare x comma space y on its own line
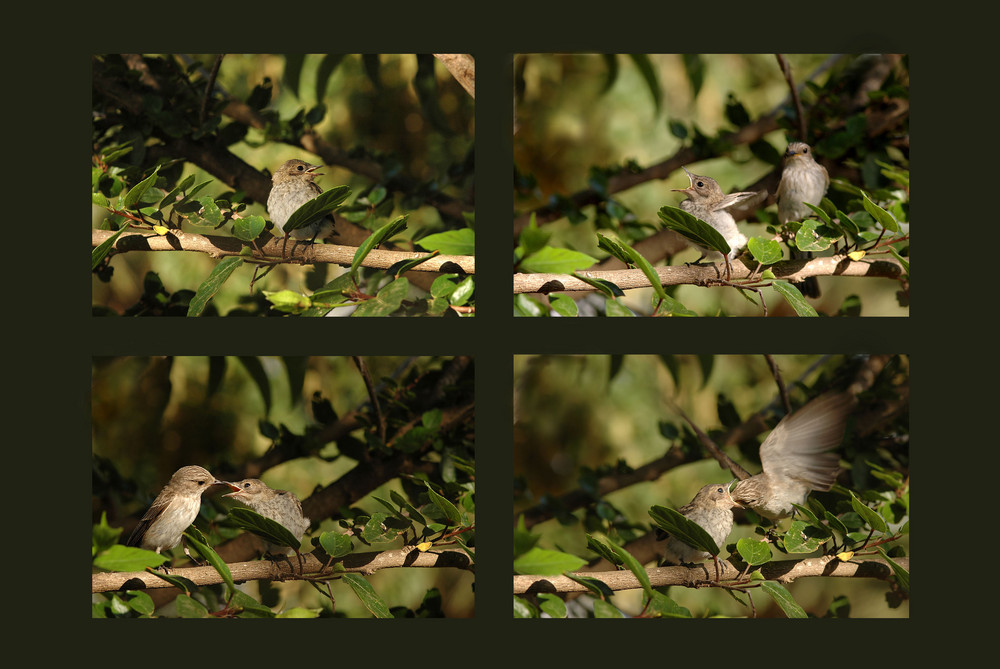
173, 510
712, 508
803, 180
280, 506
707, 201
796, 457
291, 187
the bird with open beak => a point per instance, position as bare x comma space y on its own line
280, 506
706, 201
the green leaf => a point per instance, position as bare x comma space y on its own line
884, 218
102, 250
136, 192
363, 589
249, 228
693, 229
523, 609
555, 261
269, 530
801, 538
662, 606
128, 558
688, 531
200, 544
596, 586
382, 234
190, 608
753, 552
605, 609
402, 502
543, 562
386, 302
453, 242
140, 602
319, 206
874, 520
645, 67
764, 251
902, 575
794, 298
609, 289
783, 599
552, 605
634, 566
615, 309
447, 508
210, 286
335, 544
564, 305
376, 531
603, 550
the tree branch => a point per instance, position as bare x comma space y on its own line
463, 67
304, 254
673, 275
782, 571
313, 565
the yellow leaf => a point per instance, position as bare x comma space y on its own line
845, 556
424, 546
160, 230
856, 255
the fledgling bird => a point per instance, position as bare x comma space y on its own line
712, 508
803, 180
292, 186
796, 457
280, 506
173, 510
705, 200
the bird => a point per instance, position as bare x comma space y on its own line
803, 181
712, 508
280, 506
173, 510
706, 201
292, 186
796, 457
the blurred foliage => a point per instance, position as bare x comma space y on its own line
396, 129
581, 418
280, 419
583, 121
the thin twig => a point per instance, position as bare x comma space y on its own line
787, 71
776, 373
372, 394
724, 460
209, 85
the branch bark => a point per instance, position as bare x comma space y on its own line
782, 571
281, 570
790, 270
219, 246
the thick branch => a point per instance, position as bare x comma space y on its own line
299, 253
790, 270
281, 569
782, 571
463, 67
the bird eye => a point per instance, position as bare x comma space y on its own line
700, 184
299, 168
805, 150
246, 485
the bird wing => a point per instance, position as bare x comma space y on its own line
148, 518
798, 447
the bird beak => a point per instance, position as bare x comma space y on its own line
312, 170
688, 189
235, 488
729, 493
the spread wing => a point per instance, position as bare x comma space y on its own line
799, 447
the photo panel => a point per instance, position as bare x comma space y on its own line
751, 486
711, 184
283, 487
283, 185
